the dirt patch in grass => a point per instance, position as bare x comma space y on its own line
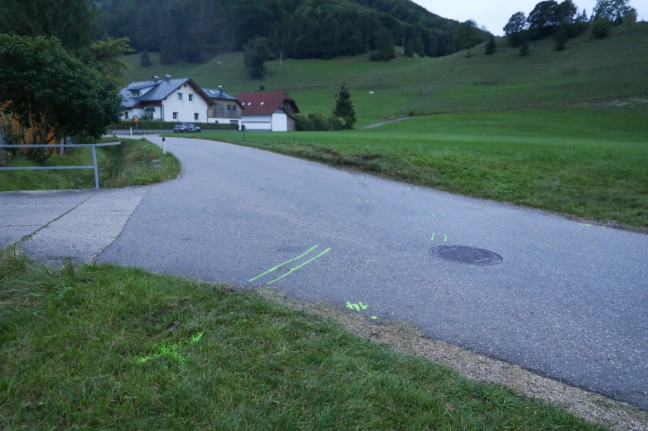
408, 339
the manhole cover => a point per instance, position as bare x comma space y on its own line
469, 255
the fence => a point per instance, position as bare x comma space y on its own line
57, 146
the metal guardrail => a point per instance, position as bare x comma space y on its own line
54, 168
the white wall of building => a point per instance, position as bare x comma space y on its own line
279, 122
257, 122
184, 108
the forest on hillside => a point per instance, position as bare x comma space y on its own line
195, 30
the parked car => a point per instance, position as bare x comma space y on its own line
186, 128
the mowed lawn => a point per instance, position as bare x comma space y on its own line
103, 347
588, 163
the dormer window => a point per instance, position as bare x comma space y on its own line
136, 93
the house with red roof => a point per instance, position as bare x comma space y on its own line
268, 111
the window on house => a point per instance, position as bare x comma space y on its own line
179, 96
126, 115
196, 116
136, 93
175, 115
234, 108
191, 97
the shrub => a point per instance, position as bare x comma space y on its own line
601, 28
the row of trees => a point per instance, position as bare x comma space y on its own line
193, 30
563, 20
55, 80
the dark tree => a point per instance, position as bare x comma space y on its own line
612, 10
468, 35
601, 28
344, 108
67, 20
515, 28
524, 49
145, 60
544, 17
491, 46
560, 36
257, 52
384, 42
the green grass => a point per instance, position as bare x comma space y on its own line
103, 347
589, 163
129, 164
588, 71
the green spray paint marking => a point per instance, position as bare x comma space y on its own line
357, 307
170, 350
445, 237
283, 264
299, 266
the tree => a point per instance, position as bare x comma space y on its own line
145, 60
514, 29
384, 42
467, 35
256, 53
544, 16
67, 20
344, 107
601, 28
106, 56
52, 92
560, 36
566, 12
491, 46
612, 10
524, 49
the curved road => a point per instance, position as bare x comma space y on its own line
568, 300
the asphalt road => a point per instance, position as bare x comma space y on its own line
568, 300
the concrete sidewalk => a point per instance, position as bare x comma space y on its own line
76, 224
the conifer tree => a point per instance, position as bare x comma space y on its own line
344, 107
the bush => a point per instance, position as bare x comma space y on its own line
303, 123
601, 28
524, 49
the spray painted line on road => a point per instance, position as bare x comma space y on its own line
434, 237
301, 265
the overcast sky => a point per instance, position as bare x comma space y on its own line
494, 14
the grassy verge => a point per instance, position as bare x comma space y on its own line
129, 164
109, 347
583, 162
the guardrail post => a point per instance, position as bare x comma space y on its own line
96, 169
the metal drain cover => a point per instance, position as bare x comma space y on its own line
468, 255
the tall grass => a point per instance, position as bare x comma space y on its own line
129, 164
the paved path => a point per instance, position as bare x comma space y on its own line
66, 224
569, 300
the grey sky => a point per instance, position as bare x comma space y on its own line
494, 14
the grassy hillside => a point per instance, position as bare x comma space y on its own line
588, 71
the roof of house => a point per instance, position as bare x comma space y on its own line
266, 103
219, 94
160, 90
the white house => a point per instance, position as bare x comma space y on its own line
269, 111
178, 100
